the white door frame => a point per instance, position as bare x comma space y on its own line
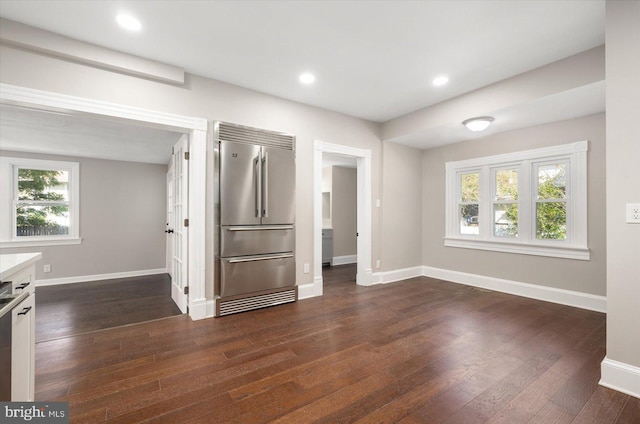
199, 306
364, 271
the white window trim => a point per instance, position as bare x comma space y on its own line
9, 238
574, 247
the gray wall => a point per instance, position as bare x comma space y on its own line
402, 207
623, 182
122, 220
344, 208
206, 98
576, 275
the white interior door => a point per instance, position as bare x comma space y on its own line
179, 198
170, 221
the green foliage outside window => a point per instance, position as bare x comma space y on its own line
470, 192
551, 216
38, 204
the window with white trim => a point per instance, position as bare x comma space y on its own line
40, 202
532, 202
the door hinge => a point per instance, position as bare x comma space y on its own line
173, 150
186, 155
186, 222
186, 289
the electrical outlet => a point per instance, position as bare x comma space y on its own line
306, 268
378, 264
633, 213
47, 268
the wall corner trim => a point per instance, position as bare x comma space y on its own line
202, 308
619, 376
309, 290
549, 294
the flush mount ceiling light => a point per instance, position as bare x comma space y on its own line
480, 123
128, 22
440, 80
307, 78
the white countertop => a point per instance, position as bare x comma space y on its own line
12, 262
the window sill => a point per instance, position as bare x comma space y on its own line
564, 252
40, 242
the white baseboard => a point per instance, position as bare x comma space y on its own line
202, 308
385, 277
98, 277
344, 260
309, 290
534, 291
619, 376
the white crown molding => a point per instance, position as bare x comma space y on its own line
21, 95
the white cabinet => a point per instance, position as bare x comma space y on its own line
327, 246
23, 351
20, 270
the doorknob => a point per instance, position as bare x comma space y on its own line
169, 231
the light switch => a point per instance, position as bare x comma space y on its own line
633, 213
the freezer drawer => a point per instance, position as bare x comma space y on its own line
255, 240
247, 274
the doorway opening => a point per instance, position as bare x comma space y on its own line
193, 252
339, 217
362, 158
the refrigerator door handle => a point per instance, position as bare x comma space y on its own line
261, 228
260, 258
257, 168
265, 185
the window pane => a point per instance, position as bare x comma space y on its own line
552, 182
38, 184
42, 220
507, 184
505, 218
469, 219
551, 220
470, 187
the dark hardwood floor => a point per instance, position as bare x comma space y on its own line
71, 309
415, 351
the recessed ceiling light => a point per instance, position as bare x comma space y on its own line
480, 123
440, 80
128, 22
307, 78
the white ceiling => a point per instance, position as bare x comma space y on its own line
372, 59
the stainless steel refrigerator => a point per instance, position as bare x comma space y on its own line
255, 252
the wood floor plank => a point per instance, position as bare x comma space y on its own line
71, 309
604, 406
415, 351
630, 414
